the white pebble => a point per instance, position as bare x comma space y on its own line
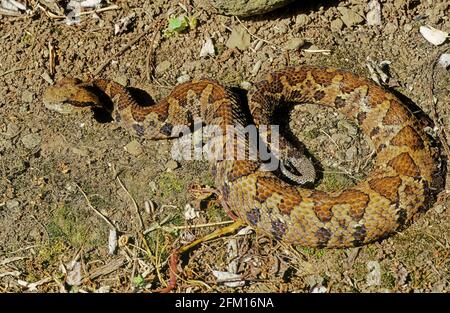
433, 35
444, 60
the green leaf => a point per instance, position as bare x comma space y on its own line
178, 24
138, 281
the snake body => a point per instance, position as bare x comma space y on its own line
398, 186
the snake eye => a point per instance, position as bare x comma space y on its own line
166, 129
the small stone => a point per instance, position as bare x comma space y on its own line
80, 152
27, 96
162, 67
171, 165
121, 80
152, 186
351, 153
390, 28
256, 68
319, 289
302, 20
12, 204
438, 287
374, 15
45, 76
207, 48
134, 148
183, 78
350, 17
294, 44
336, 25
439, 208
407, 28
444, 60
31, 141
314, 280
373, 278
11, 131
246, 85
5, 145
433, 35
344, 125
239, 38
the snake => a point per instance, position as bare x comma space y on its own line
399, 185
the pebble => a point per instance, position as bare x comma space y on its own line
27, 96
171, 165
438, 287
407, 28
350, 17
5, 145
183, 78
121, 80
336, 25
344, 125
256, 68
314, 280
162, 67
31, 141
444, 60
245, 85
239, 38
152, 186
374, 276
390, 28
207, 48
302, 20
374, 15
134, 148
45, 76
11, 131
351, 153
80, 152
439, 208
294, 44
12, 204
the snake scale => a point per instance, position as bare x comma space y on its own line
398, 186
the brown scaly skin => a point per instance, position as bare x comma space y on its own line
398, 186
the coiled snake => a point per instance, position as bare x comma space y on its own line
396, 188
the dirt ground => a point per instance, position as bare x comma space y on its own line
55, 170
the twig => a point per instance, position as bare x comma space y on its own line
110, 8
9, 12
257, 37
95, 210
42, 226
12, 71
55, 16
157, 225
136, 208
331, 139
324, 51
24, 249
150, 59
126, 47
51, 59
12, 259
13, 273
108, 268
200, 225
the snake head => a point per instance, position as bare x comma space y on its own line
70, 95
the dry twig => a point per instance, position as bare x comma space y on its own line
95, 210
